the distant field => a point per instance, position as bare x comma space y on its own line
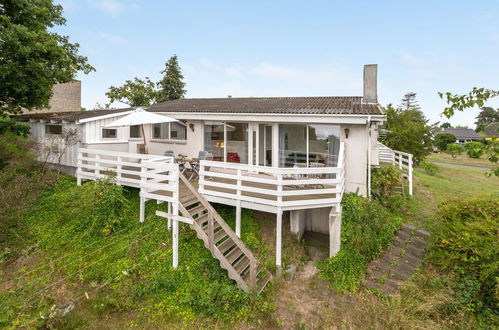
460, 160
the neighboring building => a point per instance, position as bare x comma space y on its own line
66, 98
491, 131
462, 135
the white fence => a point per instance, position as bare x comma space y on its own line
96, 164
401, 159
270, 189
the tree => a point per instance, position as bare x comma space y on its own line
486, 116
446, 125
32, 57
136, 93
171, 86
409, 102
477, 97
442, 140
410, 132
454, 149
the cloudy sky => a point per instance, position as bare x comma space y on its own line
292, 48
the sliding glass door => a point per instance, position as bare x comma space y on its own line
227, 141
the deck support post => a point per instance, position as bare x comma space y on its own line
175, 236
238, 218
278, 241
142, 209
169, 220
334, 230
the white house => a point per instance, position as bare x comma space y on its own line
273, 154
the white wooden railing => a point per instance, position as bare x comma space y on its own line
96, 164
269, 189
402, 160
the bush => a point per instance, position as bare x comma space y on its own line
474, 149
442, 140
384, 181
454, 149
15, 151
9, 125
466, 244
429, 167
366, 229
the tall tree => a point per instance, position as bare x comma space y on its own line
32, 58
409, 102
171, 86
136, 93
409, 132
486, 116
446, 125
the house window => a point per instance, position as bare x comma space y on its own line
135, 132
109, 133
169, 131
53, 129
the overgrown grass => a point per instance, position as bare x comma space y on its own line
462, 159
87, 241
367, 228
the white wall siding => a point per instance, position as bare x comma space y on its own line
93, 131
355, 158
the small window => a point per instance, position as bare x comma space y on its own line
170, 131
135, 132
109, 133
161, 131
53, 129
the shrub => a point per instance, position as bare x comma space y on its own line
429, 167
366, 229
442, 140
9, 125
466, 244
454, 149
384, 180
15, 151
474, 149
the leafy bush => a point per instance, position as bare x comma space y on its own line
442, 140
466, 244
474, 149
454, 149
15, 151
366, 229
429, 167
384, 180
9, 125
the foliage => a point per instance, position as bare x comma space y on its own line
446, 125
384, 181
466, 245
429, 167
476, 97
8, 124
454, 149
15, 151
366, 229
474, 149
442, 140
409, 102
34, 58
136, 93
92, 238
171, 86
486, 116
410, 132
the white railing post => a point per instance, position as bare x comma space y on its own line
279, 190
400, 160
97, 165
201, 176
175, 223
410, 174
79, 168
238, 204
118, 171
143, 181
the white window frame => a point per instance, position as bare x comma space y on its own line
169, 138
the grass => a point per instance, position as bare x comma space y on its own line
460, 159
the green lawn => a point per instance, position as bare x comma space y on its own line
460, 160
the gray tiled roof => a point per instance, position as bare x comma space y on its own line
323, 105
71, 116
462, 133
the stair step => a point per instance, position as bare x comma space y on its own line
262, 283
196, 210
233, 255
219, 235
226, 246
216, 225
241, 265
202, 219
184, 200
247, 274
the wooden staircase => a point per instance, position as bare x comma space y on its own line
223, 242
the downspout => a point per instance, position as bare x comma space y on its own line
369, 156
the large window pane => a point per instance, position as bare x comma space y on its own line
214, 139
237, 143
160, 131
178, 131
135, 131
292, 145
323, 144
